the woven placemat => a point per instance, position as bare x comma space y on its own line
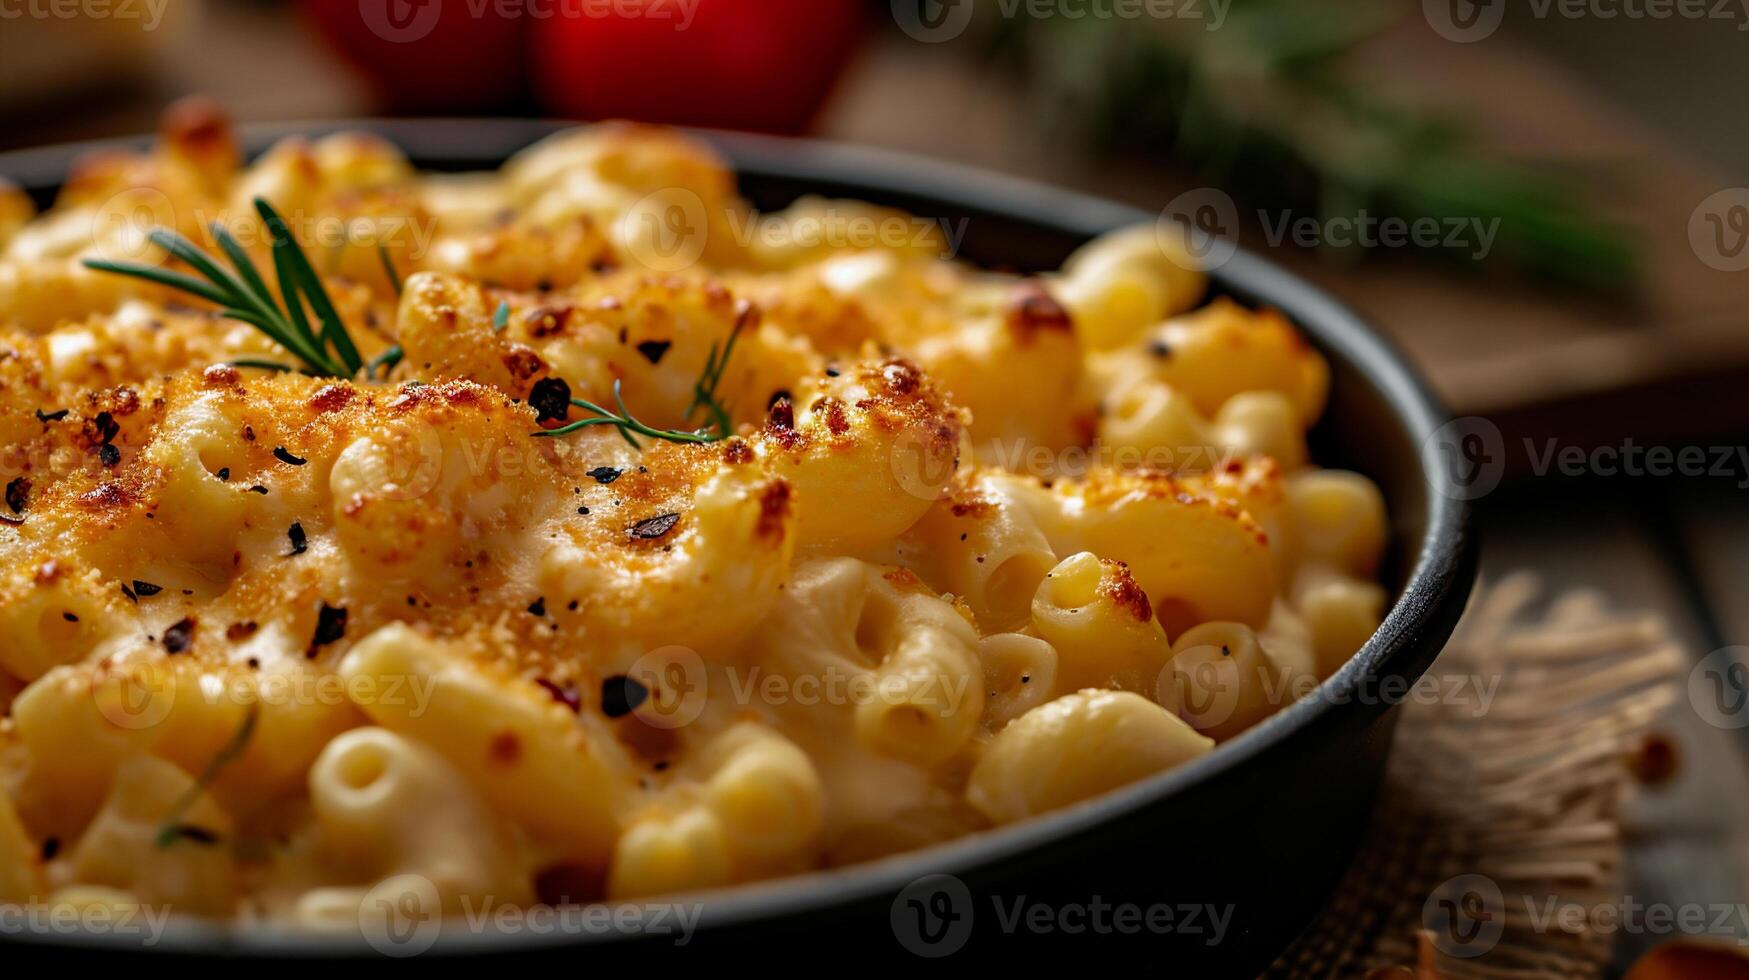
1490, 803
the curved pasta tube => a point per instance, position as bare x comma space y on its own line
1223, 350
196, 440
21, 879
1158, 425
125, 848
1199, 557
1121, 283
845, 618
1018, 371
531, 758
416, 492
1262, 423
58, 621
867, 457
1101, 625
700, 572
387, 805
1020, 672
1338, 520
1075, 748
665, 854
984, 545
1341, 614
1221, 681
445, 324
178, 709
764, 791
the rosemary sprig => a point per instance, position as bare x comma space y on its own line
172, 828
704, 395
389, 269
1275, 107
627, 424
246, 296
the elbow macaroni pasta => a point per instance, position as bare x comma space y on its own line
979, 546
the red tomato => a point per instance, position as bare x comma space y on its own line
431, 55
737, 64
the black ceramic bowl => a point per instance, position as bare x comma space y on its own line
1253, 837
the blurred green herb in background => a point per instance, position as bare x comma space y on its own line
1270, 108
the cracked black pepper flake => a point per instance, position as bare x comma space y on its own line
224, 474
620, 696
18, 494
69, 617
604, 474
300, 542
583, 511
1160, 349
180, 636
330, 626
538, 607
51, 847
258, 488
652, 528
655, 350
47, 417
284, 455
108, 454
107, 428
129, 593
146, 588
566, 695
551, 400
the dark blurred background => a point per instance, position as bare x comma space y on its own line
1590, 157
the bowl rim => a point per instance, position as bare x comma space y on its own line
1438, 580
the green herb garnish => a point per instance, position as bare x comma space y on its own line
389, 268
173, 828
501, 317
245, 295
704, 395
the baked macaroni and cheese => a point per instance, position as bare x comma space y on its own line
575, 533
